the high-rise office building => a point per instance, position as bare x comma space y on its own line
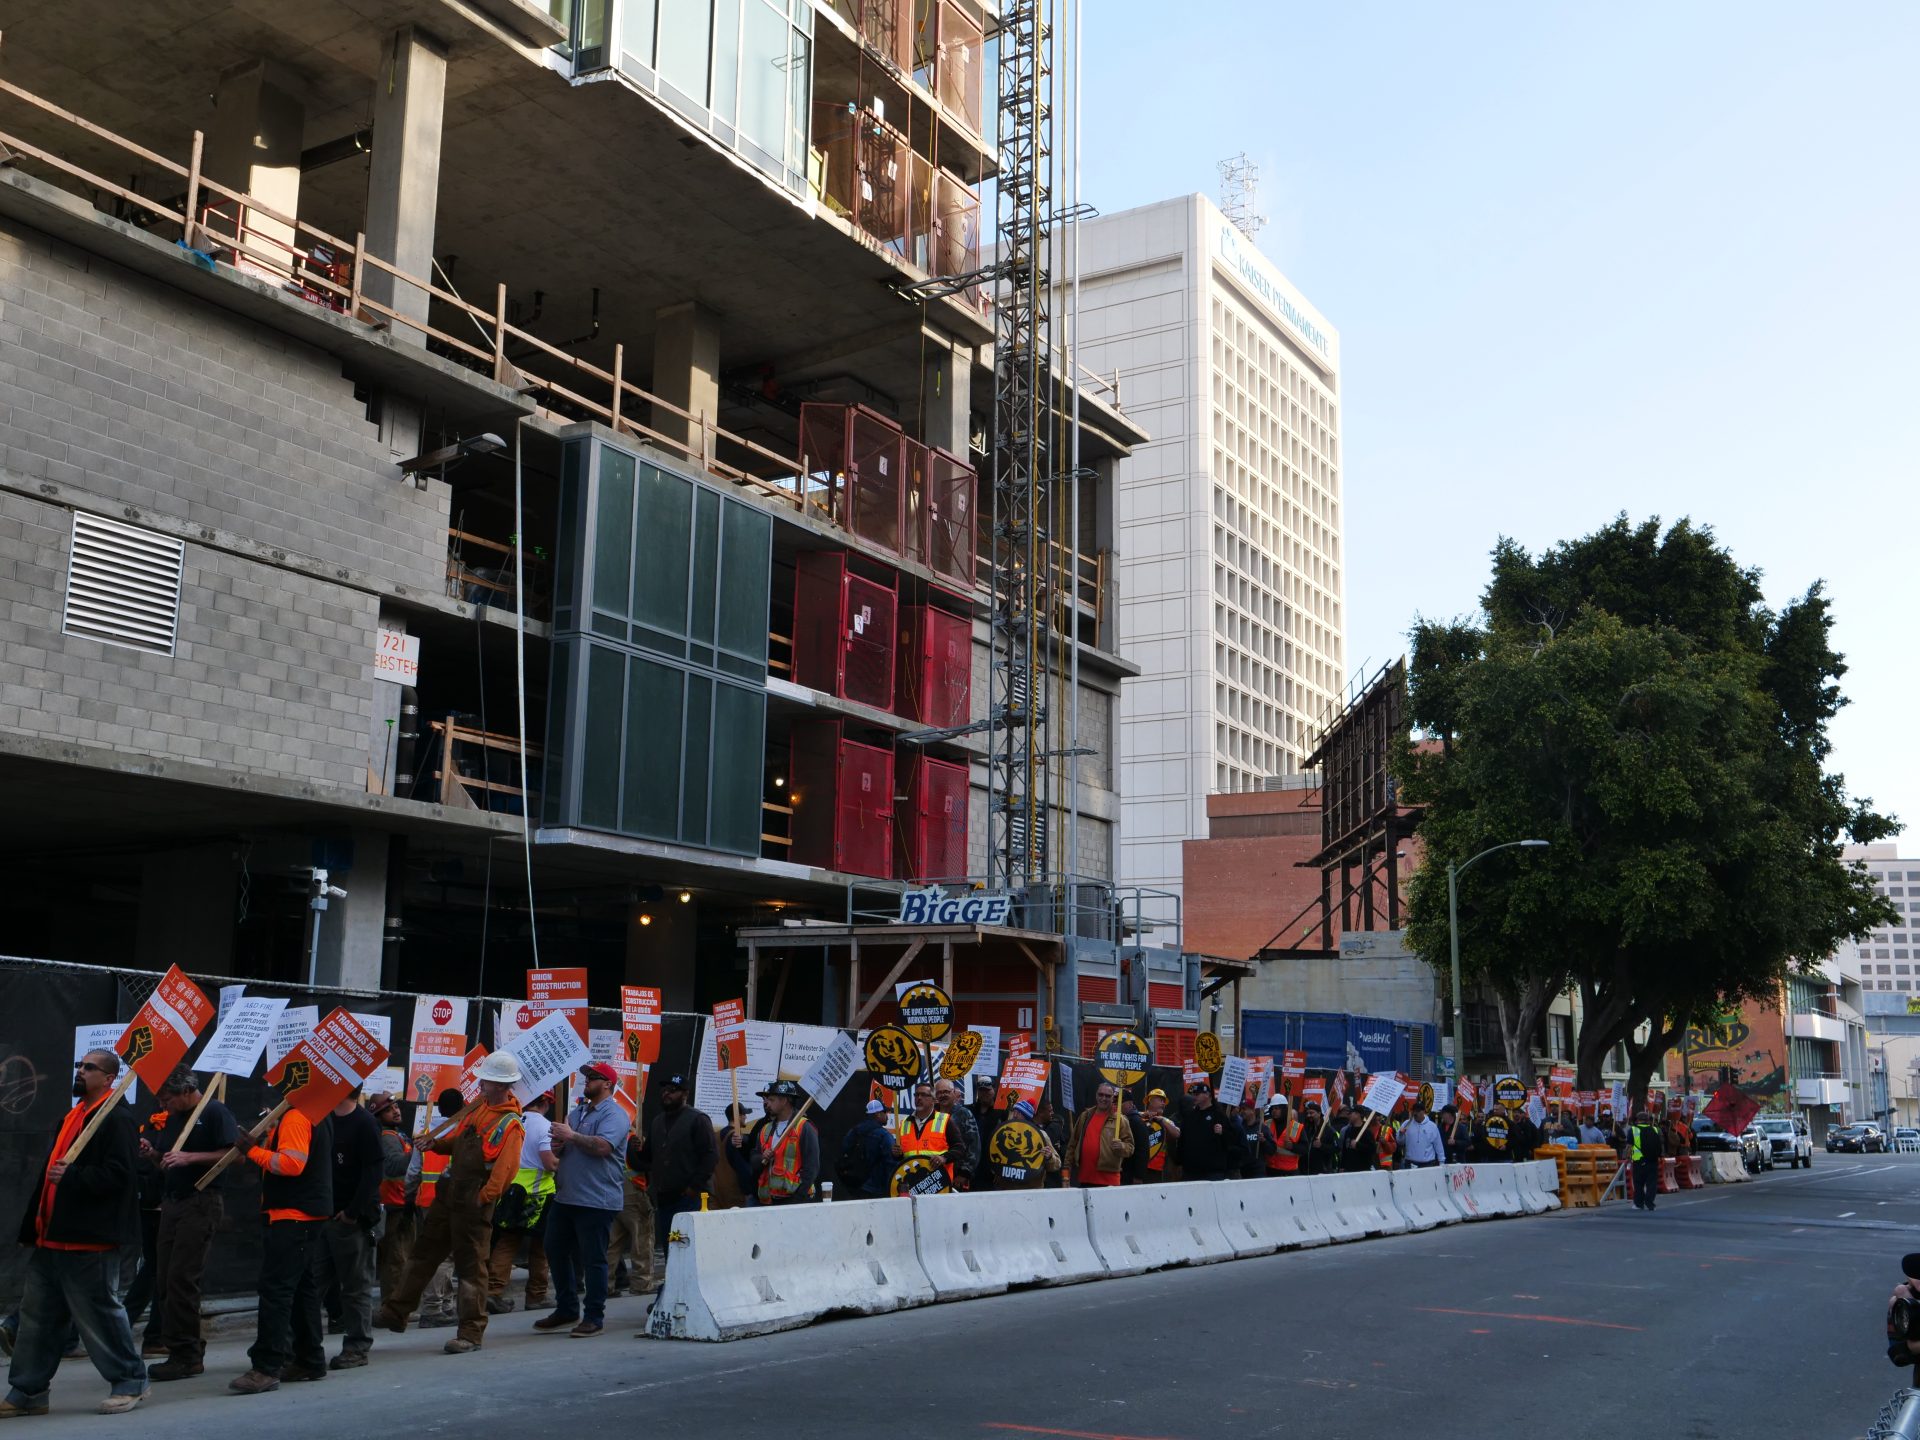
1228, 523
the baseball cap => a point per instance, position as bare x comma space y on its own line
600, 1070
674, 1082
874, 1107
786, 1089
1199, 1085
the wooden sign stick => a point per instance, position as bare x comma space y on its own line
121, 1086
733, 1075
446, 1127
180, 1142
266, 1124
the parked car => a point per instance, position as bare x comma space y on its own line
1789, 1139
1861, 1139
1905, 1138
1750, 1147
1754, 1136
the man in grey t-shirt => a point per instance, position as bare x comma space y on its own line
590, 1149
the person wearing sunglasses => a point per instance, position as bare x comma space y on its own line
85, 1209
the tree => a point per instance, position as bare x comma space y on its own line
1629, 698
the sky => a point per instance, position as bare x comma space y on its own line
1583, 259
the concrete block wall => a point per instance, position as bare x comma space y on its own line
120, 387
269, 674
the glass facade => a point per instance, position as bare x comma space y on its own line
742, 70
658, 713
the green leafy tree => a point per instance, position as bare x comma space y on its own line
1629, 698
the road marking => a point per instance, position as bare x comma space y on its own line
1074, 1434
1846, 1214
1740, 1259
1508, 1315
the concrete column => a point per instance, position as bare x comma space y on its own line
946, 407
686, 370
662, 953
353, 930
188, 909
403, 181
253, 146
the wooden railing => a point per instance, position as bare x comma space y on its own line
475, 792
1086, 579
462, 578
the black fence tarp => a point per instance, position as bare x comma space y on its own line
42, 1003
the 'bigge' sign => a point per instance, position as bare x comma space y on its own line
934, 907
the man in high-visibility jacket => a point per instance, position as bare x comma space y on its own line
1283, 1133
296, 1196
1644, 1152
1162, 1135
484, 1154
788, 1162
924, 1132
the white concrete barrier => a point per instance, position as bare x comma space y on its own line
1149, 1227
1424, 1198
1252, 1227
1357, 1204
1723, 1167
1538, 1186
1280, 1210
982, 1243
748, 1272
1491, 1190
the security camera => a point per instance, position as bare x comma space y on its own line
335, 892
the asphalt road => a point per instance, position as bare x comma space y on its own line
1740, 1311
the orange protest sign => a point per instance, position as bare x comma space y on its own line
157, 1039
730, 1034
1019, 1045
562, 990
330, 1064
1465, 1096
640, 1023
1025, 1080
1313, 1092
469, 1082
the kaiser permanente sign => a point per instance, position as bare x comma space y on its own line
1256, 275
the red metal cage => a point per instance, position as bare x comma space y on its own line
933, 821
842, 797
843, 630
933, 673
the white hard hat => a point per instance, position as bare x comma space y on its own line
500, 1068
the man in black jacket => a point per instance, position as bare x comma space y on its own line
80, 1216
189, 1219
680, 1155
1211, 1145
359, 1163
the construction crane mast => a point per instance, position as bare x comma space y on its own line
1023, 606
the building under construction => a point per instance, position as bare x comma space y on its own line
575, 474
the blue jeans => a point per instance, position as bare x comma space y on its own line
577, 1256
73, 1287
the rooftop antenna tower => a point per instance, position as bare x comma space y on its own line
1239, 183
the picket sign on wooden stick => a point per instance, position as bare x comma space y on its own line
446, 1127
121, 1086
266, 1123
214, 1090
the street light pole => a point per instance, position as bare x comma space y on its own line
1454, 872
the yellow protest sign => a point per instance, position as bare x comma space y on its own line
892, 1054
919, 1175
1123, 1057
1206, 1051
926, 1012
960, 1055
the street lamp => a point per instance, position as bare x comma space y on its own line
1454, 872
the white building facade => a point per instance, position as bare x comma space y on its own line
1228, 523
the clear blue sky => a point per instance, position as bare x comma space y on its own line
1583, 258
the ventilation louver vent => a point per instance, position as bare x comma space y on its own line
123, 584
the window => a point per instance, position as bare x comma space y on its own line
1559, 1037
123, 585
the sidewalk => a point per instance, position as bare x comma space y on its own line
413, 1362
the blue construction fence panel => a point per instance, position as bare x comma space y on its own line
1335, 1040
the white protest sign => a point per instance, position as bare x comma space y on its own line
1233, 1080
1440, 1095
1065, 1071
387, 1080
296, 1022
987, 1063
713, 1090
245, 1027
801, 1046
1383, 1093
380, 1027
100, 1037
1619, 1101
831, 1069
1536, 1110
229, 994
548, 1054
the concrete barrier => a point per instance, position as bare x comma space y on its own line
1424, 1198
1149, 1227
1491, 1189
1252, 1224
983, 1243
748, 1272
1723, 1167
1537, 1183
1282, 1210
1357, 1205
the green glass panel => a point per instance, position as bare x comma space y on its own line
600, 752
740, 737
660, 579
706, 562
746, 572
693, 799
613, 532
559, 708
650, 800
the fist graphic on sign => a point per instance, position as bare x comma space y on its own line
633, 1046
296, 1076
423, 1087
725, 1049
139, 1045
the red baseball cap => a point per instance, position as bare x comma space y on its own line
601, 1069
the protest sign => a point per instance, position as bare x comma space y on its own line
1192, 1074
729, 1034
548, 1054
1016, 1151
438, 1050
1440, 1098
228, 995
831, 1069
986, 1065
919, 1175
1025, 1080
339, 1054
608, 1047
237, 1045
1469, 1094
926, 1012
98, 1037
1508, 1092
1496, 1128
560, 991
959, 1060
1064, 1072
1293, 1069
1314, 1092
755, 1052
296, 1022
1383, 1093
1019, 1045
1562, 1077
156, 1040
1206, 1051
640, 1023
1233, 1080
469, 1085
891, 1056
